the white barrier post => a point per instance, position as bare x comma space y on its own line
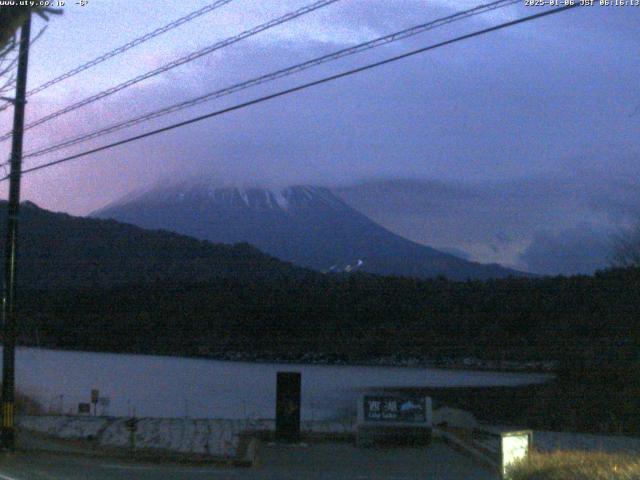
514, 447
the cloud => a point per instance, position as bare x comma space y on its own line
546, 224
496, 108
583, 249
458, 252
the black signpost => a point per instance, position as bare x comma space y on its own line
288, 406
95, 394
132, 426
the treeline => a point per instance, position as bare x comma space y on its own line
590, 324
57, 250
347, 318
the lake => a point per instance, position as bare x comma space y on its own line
156, 386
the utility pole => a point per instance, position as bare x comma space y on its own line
7, 434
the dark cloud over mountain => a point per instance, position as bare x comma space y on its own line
582, 249
549, 101
549, 225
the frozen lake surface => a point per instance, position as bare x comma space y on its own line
176, 387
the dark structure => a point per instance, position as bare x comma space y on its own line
288, 406
11, 244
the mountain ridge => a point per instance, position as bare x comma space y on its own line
59, 250
306, 225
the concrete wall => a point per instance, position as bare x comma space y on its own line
214, 437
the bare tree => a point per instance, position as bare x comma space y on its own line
11, 19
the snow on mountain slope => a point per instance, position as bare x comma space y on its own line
307, 225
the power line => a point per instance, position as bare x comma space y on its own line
180, 61
127, 46
408, 32
301, 87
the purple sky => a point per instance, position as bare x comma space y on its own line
551, 98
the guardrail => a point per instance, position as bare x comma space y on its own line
498, 450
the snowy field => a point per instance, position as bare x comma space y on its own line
169, 387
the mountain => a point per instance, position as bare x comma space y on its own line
550, 224
59, 250
305, 225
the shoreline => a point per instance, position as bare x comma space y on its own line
470, 364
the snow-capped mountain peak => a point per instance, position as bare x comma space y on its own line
304, 224
252, 197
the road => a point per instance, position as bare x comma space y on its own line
317, 462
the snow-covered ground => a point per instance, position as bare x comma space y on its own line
153, 386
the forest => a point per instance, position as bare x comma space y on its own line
347, 318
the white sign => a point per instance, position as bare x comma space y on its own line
514, 447
395, 409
